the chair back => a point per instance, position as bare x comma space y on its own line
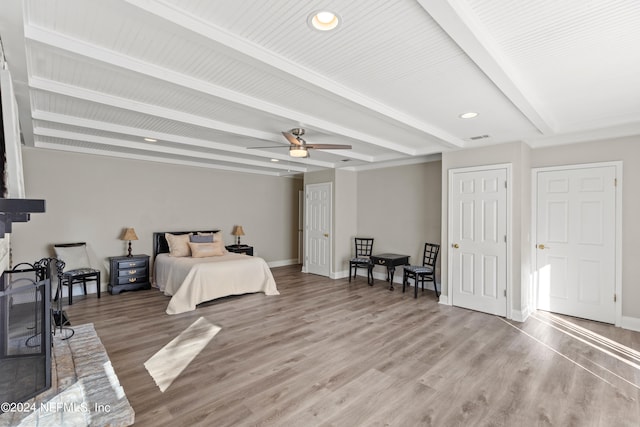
364, 247
50, 267
430, 256
74, 255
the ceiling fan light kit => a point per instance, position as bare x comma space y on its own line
299, 151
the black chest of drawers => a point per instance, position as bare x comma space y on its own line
129, 273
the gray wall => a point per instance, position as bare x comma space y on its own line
398, 206
92, 198
517, 155
401, 208
628, 151
346, 219
522, 159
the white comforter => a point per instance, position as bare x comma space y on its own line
190, 281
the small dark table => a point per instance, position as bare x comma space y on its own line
240, 249
390, 261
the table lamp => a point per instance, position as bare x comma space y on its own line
237, 231
129, 234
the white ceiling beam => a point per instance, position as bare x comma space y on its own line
150, 147
399, 162
48, 116
460, 24
112, 101
246, 48
170, 114
587, 134
112, 58
94, 151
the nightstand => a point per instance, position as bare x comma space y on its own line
128, 273
241, 249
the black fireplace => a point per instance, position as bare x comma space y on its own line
25, 333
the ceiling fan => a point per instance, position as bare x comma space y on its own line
298, 147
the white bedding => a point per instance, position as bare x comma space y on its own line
191, 281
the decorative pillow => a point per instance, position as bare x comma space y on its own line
217, 236
202, 250
220, 244
217, 240
74, 257
178, 244
201, 238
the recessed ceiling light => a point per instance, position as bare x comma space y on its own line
324, 20
275, 160
151, 140
469, 115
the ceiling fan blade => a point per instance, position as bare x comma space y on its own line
329, 146
271, 146
291, 138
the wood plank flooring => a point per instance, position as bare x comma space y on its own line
329, 353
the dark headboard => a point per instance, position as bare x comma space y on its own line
160, 245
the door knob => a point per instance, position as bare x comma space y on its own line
542, 246
326, 234
455, 245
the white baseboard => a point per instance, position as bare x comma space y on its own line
631, 323
77, 288
340, 274
444, 299
520, 315
282, 263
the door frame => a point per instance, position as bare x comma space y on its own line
329, 186
618, 228
509, 214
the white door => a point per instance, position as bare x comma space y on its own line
575, 236
478, 236
317, 252
300, 227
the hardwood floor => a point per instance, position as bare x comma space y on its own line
326, 352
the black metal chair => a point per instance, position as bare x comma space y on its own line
364, 248
424, 272
78, 268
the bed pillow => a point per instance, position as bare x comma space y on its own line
217, 239
202, 250
178, 244
217, 236
201, 238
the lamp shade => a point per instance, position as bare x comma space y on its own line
129, 234
237, 231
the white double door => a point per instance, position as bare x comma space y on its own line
576, 240
478, 237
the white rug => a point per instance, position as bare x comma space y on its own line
168, 363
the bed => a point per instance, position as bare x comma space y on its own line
191, 280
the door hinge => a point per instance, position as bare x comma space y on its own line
615, 182
505, 238
615, 297
505, 293
505, 184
